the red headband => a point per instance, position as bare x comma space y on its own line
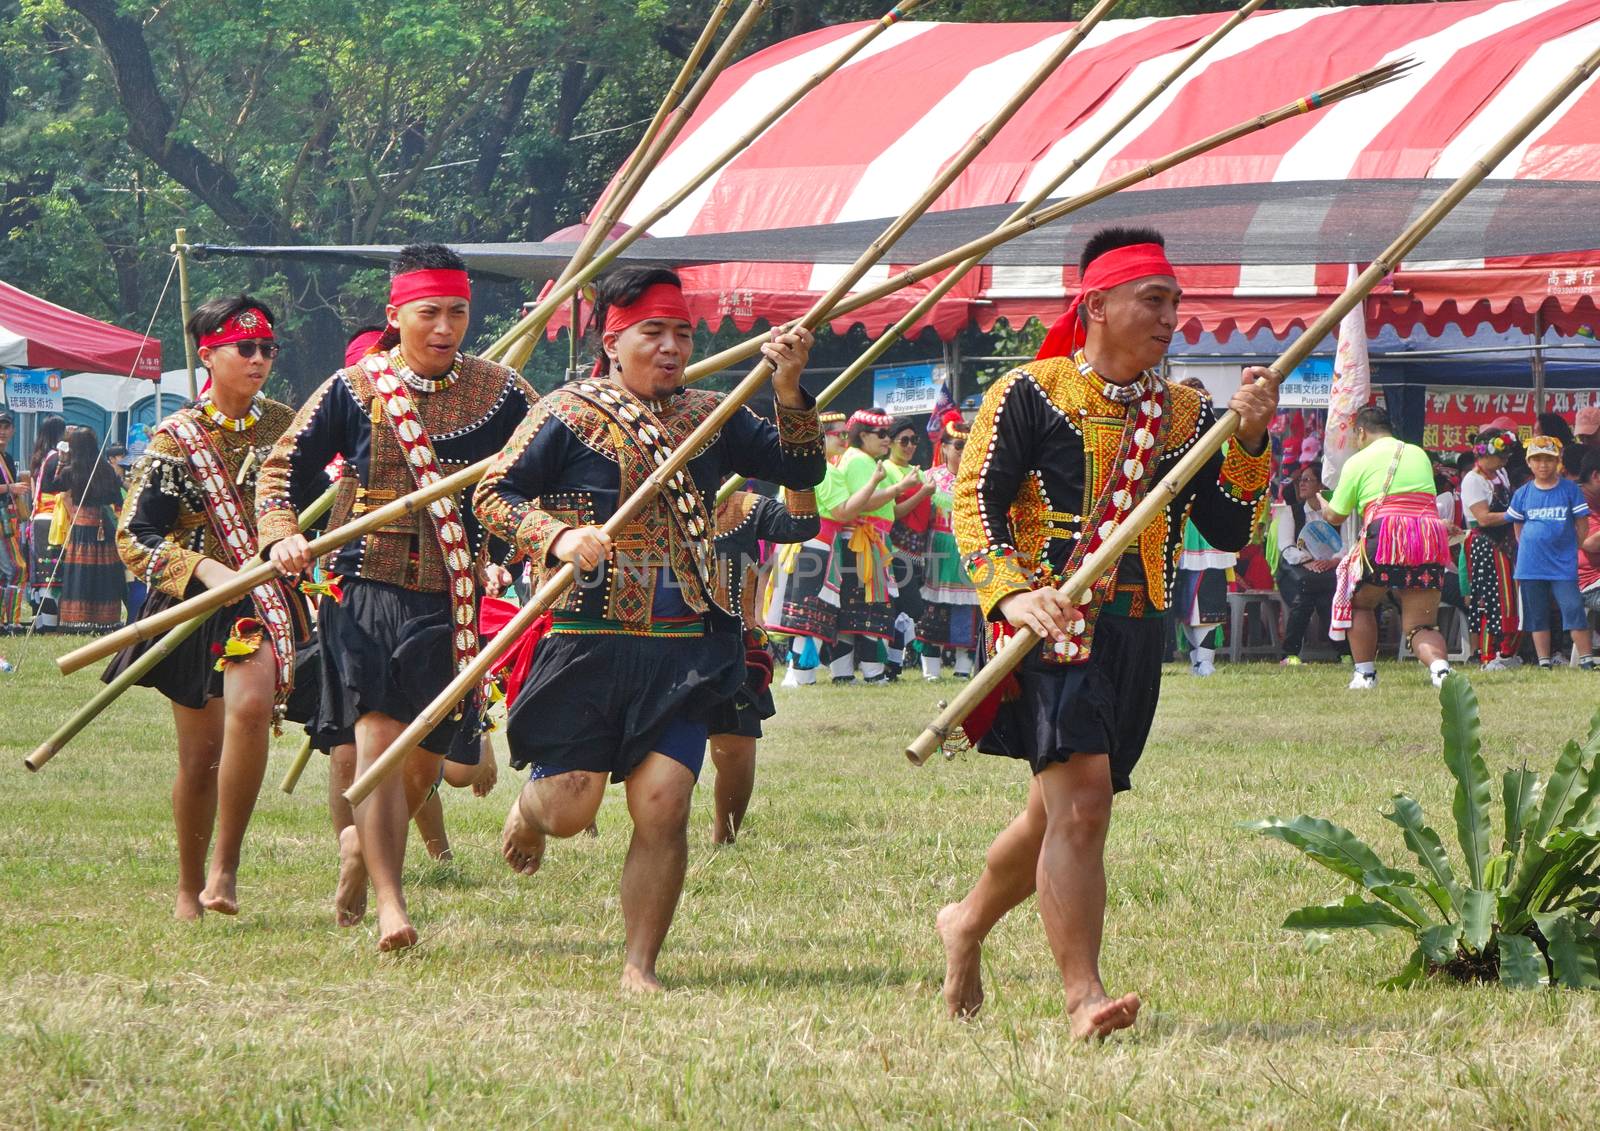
1117, 266
249, 324
414, 285
361, 345
659, 300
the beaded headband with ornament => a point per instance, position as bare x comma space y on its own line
830, 418
248, 325
871, 419
954, 431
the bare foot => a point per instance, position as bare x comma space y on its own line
1098, 1017
637, 980
963, 975
350, 897
187, 907
221, 894
395, 931
521, 843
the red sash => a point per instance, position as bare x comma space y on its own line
226, 512
423, 465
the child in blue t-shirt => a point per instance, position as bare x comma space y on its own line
1551, 518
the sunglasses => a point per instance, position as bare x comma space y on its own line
247, 349
837, 432
884, 432
906, 440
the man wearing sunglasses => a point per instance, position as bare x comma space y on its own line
412, 409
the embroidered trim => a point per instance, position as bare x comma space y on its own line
237, 539
423, 465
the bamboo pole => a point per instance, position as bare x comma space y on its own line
297, 767
180, 248
1356, 84
1365, 81
876, 349
894, 333
246, 580
653, 144
392, 758
1082, 581
533, 323
135, 671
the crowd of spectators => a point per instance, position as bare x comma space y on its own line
59, 569
1526, 556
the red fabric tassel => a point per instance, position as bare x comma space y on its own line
493, 616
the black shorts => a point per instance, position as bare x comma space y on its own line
388, 649
1104, 705
602, 702
188, 675
743, 714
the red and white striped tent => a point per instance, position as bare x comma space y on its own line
869, 139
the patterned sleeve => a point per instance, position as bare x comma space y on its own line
788, 453
150, 516
793, 520
294, 474
998, 455
1227, 490
506, 499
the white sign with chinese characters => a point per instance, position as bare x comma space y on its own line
905, 390
33, 390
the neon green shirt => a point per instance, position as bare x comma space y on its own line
855, 468
1362, 477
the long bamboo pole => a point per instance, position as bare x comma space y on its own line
135, 671
152, 626
180, 248
408, 504
653, 144
297, 767
1356, 84
894, 333
534, 321
392, 758
1080, 583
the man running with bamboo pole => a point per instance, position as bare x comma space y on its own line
638, 653
1061, 451
402, 417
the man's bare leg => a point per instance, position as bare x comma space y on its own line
561, 805
1419, 614
1008, 879
734, 756
350, 895
382, 820
248, 687
430, 823
658, 854
1072, 890
194, 799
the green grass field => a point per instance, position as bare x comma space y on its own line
803, 968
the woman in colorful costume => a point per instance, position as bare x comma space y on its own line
44, 558
951, 623
93, 581
857, 508
744, 521
638, 651
1492, 600
14, 492
1403, 547
188, 524
1061, 452
795, 604
412, 410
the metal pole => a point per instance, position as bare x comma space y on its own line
1537, 361
180, 248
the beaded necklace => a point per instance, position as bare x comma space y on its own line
230, 423
423, 384
1117, 394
